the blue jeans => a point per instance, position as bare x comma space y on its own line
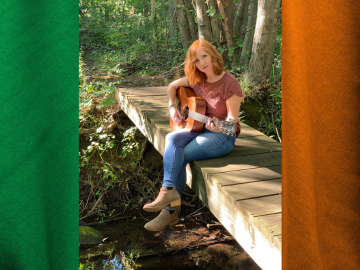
182, 147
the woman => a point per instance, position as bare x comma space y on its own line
206, 74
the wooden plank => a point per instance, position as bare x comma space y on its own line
252, 237
260, 206
152, 102
247, 131
278, 239
257, 140
154, 133
223, 164
271, 222
208, 193
144, 91
243, 150
254, 140
243, 176
270, 226
252, 190
155, 115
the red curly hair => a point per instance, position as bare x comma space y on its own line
192, 73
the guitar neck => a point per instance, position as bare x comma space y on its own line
198, 117
227, 127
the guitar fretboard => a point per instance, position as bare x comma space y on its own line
227, 127
198, 117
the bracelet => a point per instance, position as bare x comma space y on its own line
172, 105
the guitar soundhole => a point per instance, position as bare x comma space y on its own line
186, 112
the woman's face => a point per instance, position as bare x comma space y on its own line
203, 61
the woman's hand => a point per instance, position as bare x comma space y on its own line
175, 115
211, 126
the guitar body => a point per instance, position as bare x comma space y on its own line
187, 100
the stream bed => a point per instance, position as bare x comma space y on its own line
189, 244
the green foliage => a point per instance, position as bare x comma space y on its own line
93, 90
100, 143
276, 67
245, 84
271, 122
128, 41
231, 51
241, 115
268, 96
220, 17
129, 142
211, 12
82, 77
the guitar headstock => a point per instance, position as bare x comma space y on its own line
226, 127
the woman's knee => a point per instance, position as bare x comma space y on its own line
170, 138
175, 136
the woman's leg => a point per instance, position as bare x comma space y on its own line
183, 147
174, 155
172, 162
206, 145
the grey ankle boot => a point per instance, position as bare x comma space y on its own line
165, 198
163, 220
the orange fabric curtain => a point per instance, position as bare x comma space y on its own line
321, 137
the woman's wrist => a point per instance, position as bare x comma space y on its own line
230, 119
172, 106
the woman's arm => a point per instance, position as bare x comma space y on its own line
233, 108
171, 93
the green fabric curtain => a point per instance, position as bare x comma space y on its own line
39, 133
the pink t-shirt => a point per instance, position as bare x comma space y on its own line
216, 94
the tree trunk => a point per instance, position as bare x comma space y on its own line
204, 25
227, 31
183, 24
191, 20
239, 17
279, 71
278, 15
107, 13
146, 10
238, 24
164, 17
123, 12
246, 49
229, 8
172, 19
153, 13
264, 43
214, 23
153, 18
245, 17
278, 10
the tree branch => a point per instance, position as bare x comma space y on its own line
223, 42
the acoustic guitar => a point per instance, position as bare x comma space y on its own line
192, 110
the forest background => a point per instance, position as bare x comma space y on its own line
134, 43
149, 39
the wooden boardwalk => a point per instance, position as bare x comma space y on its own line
242, 189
